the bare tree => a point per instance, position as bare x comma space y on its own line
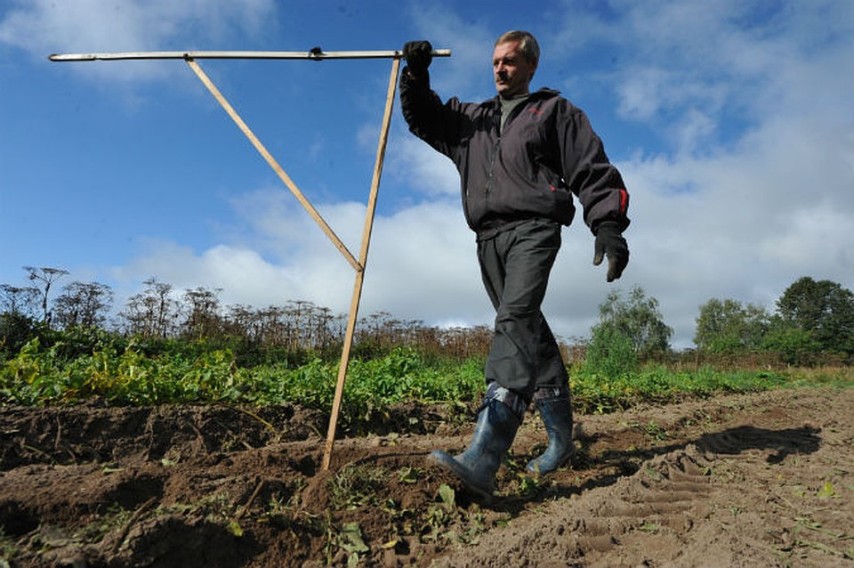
202, 308
152, 312
47, 276
299, 326
298, 323
83, 304
18, 300
323, 333
240, 322
272, 327
464, 342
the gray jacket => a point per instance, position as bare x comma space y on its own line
546, 152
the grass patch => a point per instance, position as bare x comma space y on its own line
594, 393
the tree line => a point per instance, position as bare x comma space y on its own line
812, 323
160, 313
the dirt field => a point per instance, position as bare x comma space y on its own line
744, 480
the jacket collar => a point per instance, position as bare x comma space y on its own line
543, 93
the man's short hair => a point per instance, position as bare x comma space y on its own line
527, 44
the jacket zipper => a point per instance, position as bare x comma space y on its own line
493, 156
497, 146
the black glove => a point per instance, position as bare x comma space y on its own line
610, 242
418, 55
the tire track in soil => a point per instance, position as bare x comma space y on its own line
760, 480
739, 494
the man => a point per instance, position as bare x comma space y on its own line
521, 156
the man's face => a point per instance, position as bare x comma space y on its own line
511, 71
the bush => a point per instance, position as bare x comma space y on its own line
15, 331
610, 354
795, 346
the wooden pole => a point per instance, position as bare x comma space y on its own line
358, 265
360, 274
273, 163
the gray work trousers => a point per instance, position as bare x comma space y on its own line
515, 266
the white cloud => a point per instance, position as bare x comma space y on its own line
424, 262
810, 230
419, 166
638, 98
421, 263
467, 74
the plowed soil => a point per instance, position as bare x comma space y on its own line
756, 480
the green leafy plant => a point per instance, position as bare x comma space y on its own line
356, 485
134, 373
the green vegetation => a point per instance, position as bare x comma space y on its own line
41, 375
814, 320
47, 376
170, 348
595, 393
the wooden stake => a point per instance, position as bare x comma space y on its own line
360, 274
273, 163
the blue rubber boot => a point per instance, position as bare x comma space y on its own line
498, 420
556, 411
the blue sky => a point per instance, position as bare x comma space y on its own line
732, 122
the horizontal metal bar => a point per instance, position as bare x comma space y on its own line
315, 54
